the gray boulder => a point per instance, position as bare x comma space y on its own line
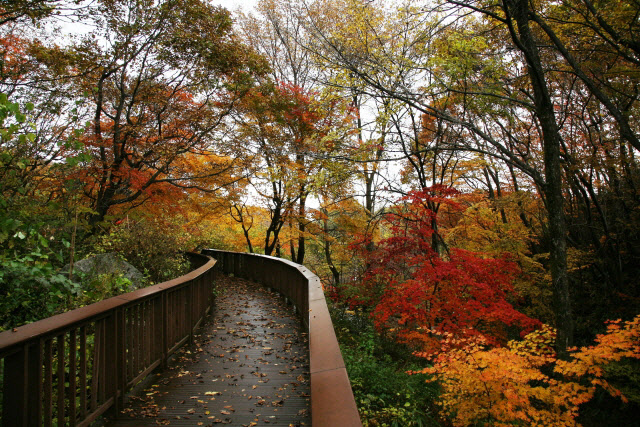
108, 263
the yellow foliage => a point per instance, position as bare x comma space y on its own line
505, 385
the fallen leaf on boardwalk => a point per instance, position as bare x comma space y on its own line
266, 346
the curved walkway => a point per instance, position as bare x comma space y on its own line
249, 367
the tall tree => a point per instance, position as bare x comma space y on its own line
161, 77
275, 31
289, 137
403, 49
517, 18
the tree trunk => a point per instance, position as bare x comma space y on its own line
301, 228
524, 40
271, 241
246, 236
292, 247
327, 249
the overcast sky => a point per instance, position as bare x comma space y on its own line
245, 5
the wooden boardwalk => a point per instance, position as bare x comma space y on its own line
249, 367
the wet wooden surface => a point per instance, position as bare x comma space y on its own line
248, 367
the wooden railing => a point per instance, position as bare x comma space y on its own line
332, 402
70, 368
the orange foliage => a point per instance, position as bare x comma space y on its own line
13, 50
506, 385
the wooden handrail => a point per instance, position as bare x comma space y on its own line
332, 401
70, 368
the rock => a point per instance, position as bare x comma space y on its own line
108, 263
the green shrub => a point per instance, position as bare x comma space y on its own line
101, 287
385, 394
151, 245
31, 289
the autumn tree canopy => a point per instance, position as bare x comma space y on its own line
462, 174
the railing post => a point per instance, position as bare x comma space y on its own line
73, 368
165, 329
121, 360
210, 283
22, 394
189, 308
34, 384
15, 388
158, 326
111, 357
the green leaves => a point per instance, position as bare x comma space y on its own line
74, 161
30, 287
10, 111
377, 367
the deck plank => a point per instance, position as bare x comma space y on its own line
248, 367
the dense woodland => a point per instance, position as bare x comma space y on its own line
461, 174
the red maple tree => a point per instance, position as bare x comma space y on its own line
418, 292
